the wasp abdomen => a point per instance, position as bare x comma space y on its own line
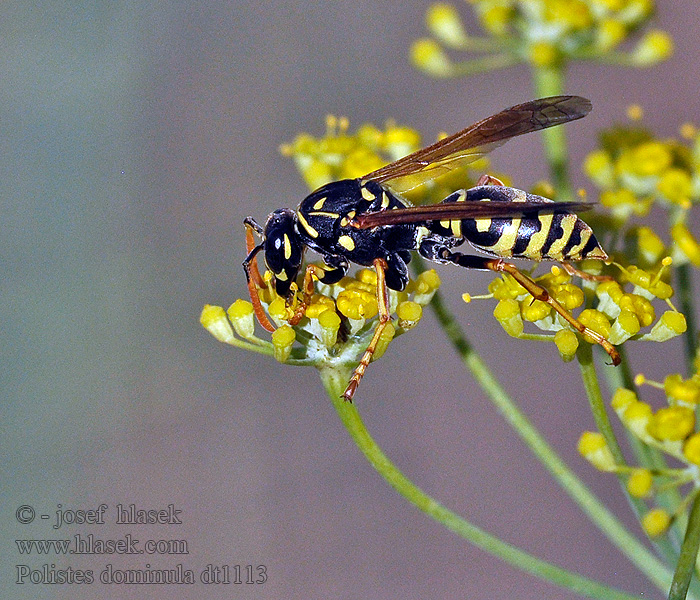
536, 235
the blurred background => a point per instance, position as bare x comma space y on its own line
135, 137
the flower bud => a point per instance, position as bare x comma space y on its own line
213, 318
656, 522
242, 318
593, 447
282, 341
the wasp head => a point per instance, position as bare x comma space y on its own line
283, 249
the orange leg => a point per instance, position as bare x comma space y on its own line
574, 272
307, 291
539, 293
486, 179
380, 266
255, 281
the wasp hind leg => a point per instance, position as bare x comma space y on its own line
445, 255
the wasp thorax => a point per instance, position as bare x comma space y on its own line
283, 248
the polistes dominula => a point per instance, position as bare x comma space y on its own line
368, 222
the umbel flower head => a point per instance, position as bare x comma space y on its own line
542, 33
635, 171
337, 325
671, 430
621, 309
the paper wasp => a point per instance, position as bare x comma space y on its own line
368, 222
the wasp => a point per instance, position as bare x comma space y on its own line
368, 221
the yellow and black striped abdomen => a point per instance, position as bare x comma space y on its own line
554, 235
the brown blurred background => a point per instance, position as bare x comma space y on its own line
136, 137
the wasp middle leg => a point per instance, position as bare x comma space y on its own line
380, 265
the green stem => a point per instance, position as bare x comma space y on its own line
334, 383
596, 511
596, 402
685, 295
689, 553
484, 64
549, 81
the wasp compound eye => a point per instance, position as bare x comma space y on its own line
283, 249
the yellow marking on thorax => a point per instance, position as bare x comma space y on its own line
367, 195
323, 213
385, 200
421, 232
310, 230
287, 247
319, 203
347, 242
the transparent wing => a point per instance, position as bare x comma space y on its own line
460, 149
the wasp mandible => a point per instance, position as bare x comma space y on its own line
367, 221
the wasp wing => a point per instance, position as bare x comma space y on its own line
454, 211
472, 143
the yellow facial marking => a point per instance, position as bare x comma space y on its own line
319, 203
287, 247
347, 242
310, 230
282, 276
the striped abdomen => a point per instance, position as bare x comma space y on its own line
557, 235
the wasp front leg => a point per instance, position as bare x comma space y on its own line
338, 268
441, 253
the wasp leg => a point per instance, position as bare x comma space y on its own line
330, 276
251, 269
498, 265
574, 272
380, 266
487, 179
250, 226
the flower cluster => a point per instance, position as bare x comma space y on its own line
616, 314
337, 325
543, 33
636, 170
671, 431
